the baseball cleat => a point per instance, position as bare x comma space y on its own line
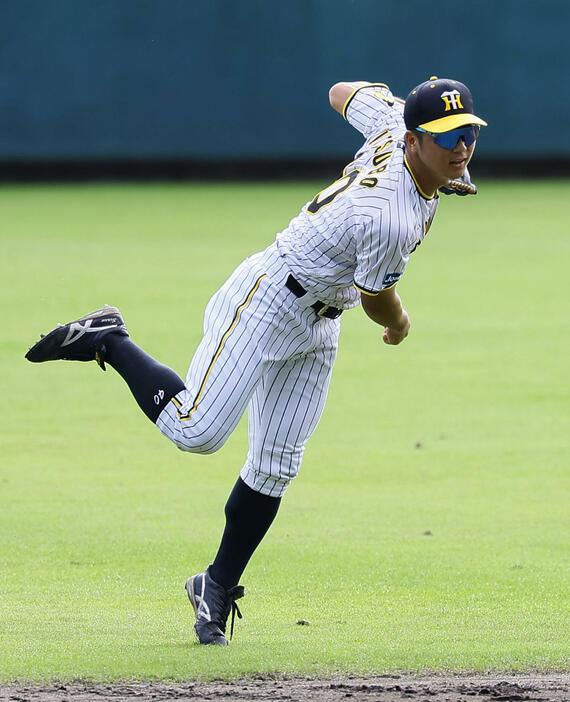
212, 604
81, 340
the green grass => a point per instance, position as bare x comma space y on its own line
461, 432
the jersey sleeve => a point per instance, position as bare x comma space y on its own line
372, 106
381, 254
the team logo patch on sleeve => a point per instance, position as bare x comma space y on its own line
391, 278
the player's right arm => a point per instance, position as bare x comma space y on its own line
340, 92
385, 308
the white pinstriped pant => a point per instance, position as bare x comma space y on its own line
264, 349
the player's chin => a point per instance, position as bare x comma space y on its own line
457, 168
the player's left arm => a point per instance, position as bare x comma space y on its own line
385, 308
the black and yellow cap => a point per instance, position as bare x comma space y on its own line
439, 105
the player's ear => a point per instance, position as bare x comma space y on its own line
412, 140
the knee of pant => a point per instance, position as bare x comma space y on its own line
190, 448
196, 433
205, 442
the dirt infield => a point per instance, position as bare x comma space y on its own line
393, 688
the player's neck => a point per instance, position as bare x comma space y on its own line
427, 182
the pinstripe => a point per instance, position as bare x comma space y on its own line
220, 347
280, 423
231, 405
313, 411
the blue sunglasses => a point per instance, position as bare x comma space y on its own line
448, 140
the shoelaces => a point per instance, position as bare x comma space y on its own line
234, 594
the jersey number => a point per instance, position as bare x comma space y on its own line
326, 196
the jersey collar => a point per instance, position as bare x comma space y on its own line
420, 191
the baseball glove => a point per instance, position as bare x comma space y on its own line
460, 186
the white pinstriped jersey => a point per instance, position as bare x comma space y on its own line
358, 233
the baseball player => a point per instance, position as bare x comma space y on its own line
271, 331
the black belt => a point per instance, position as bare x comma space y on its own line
320, 308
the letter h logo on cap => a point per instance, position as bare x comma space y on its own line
452, 100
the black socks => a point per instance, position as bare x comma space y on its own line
249, 515
153, 385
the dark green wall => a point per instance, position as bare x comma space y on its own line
195, 79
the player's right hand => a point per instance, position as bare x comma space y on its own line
395, 335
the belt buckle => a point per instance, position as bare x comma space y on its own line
322, 312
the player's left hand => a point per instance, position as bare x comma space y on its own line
395, 335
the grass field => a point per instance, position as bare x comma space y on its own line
429, 527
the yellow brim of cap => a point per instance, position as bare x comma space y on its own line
445, 124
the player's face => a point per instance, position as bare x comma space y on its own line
432, 164
445, 163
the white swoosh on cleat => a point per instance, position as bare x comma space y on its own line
80, 329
